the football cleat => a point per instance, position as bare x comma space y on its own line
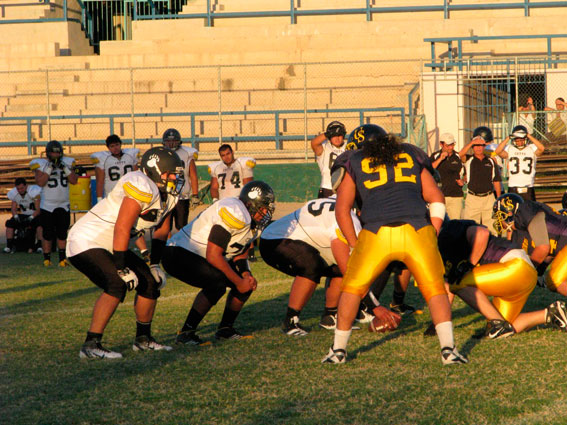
328, 321
402, 309
335, 356
47, 263
63, 263
148, 343
94, 350
190, 338
450, 355
364, 316
430, 331
292, 327
230, 333
556, 315
496, 329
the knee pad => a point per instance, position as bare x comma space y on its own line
214, 293
242, 297
116, 288
11, 223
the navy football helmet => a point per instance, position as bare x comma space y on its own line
364, 133
171, 138
519, 132
504, 210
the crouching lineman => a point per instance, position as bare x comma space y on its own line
479, 265
211, 253
308, 244
98, 247
393, 184
26, 199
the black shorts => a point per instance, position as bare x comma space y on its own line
24, 221
529, 195
98, 265
324, 193
180, 214
193, 269
296, 258
55, 224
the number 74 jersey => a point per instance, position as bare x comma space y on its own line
230, 177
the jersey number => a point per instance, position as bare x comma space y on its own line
234, 180
515, 165
405, 161
332, 157
317, 212
53, 182
114, 172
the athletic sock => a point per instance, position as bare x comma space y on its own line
331, 311
341, 339
93, 336
47, 256
192, 321
445, 334
62, 254
143, 329
291, 313
398, 297
10, 243
228, 318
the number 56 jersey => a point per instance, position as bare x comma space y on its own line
315, 224
228, 213
55, 194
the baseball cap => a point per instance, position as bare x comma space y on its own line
447, 138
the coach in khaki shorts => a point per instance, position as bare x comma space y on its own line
484, 179
450, 167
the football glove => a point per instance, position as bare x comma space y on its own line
129, 277
158, 275
460, 271
66, 170
48, 169
195, 201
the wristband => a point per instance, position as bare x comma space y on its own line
157, 251
215, 199
438, 210
241, 266
120, 259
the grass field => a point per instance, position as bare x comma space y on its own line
394, 378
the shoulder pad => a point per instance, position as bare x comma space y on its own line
211, 168
133, 152
233, 213
193, 153
34, 190
139, 187
247, 162
69, 161
12, 193
99, 157
37, 163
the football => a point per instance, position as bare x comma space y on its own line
378, 325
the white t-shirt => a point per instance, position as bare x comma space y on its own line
326, 160
231, 215
114, 168
26, 203
187, 155
521, 165
314, 224
230, 177
55, 194
96, 228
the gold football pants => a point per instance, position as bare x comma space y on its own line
510, 283
558, 270
416, 249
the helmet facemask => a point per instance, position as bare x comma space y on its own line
173, 186
503, 222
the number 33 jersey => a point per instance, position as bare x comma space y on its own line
96, 228
55, 194
114, 168
315, 224
231, 215
230, 177
391, 194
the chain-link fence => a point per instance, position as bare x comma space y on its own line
271, 111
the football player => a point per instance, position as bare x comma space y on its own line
211, 253
110, 166
479, 265
522, 157
327, 147
547, 231
230, 174
98, 247
394, 185
308, 244
26, 200
189, 197
54, 174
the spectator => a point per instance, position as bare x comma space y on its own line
527, 113
26, 199
522, 158
110, 166
190, 195
450, 168
54, 175
556, 125
327, 146
483, 176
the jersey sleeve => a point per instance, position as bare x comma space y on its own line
133, 152
212, 169
70, 162
98, 159
138, 189
34, 191
233, 216
12, 194
192, 152
248, 165
38, 164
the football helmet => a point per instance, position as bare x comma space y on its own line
562, 211
258, 197
53, 147
504, 210
159, 160
364, 133
171, 138
519, 132
335, 128
483, 132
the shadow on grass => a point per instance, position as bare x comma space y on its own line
43, 302
30, 287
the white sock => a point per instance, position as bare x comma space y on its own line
445, 334
341, 339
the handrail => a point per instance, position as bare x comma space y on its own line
194, 138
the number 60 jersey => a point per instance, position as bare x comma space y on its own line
114, 168
228, 213
315, 224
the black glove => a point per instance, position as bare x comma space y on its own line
457, 274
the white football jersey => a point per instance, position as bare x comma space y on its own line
114, 168
315, 224
187, 155
55, 194
26, 203
230, 177
96, 228
231, 214
521, 165
326, 160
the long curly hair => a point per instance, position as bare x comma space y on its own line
382, 151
